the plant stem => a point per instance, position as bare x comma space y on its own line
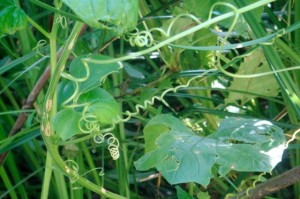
38, 27
47, 177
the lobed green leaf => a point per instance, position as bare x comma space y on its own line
238, 144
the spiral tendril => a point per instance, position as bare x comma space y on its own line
39, 45
62, 20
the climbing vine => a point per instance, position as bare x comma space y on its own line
90, 105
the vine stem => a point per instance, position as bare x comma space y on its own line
184, 33
46, 129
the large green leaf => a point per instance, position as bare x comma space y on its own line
12, 18
182, 156
103, 105
117, 15
266, 85
66, 123
98, 72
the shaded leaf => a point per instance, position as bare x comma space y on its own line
103, 105
98, 72
65, 123
117, 15
12, 18
266, 85
181, 194
203, 195
182, 156
65, 91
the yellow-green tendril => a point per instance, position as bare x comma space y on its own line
39, 45
113, 144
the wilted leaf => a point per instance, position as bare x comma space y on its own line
266, 85
182, 156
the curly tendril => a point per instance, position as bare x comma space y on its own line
62, 20
147, 103
39, 45
113, 144
72, 167
259, 179
76, 81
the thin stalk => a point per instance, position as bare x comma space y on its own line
47, 177
55, 10
297, 36
7, 183
191, 188
38, 27
90, 162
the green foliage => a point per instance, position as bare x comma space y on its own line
12, 18
103, 105
181, 194
97, 73
168, 111
118, 15
182, 156
241, 27
66, 123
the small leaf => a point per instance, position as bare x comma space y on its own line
65, 91
266, 85
203, 195
65, 123
98, 72
238, 144
12, 18
133, 71
181, 194
103, 105
117, 15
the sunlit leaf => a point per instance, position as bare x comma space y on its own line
182, 156
117, 15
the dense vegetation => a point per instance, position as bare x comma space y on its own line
149, 99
